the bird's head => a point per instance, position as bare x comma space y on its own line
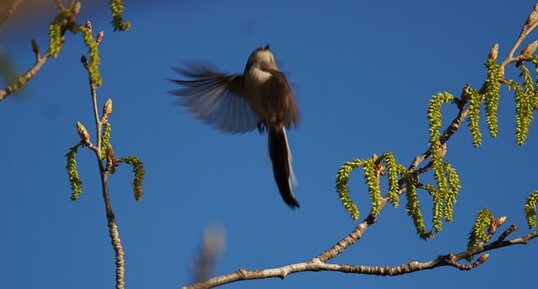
262, 57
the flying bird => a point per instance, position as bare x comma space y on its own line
259, 98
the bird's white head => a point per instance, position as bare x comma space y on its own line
262, 58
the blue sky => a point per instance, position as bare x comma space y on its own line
363, 72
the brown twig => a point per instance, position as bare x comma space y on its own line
318, 263
40, 60
104, 170
350, 239
525, 31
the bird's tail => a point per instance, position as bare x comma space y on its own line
280, 154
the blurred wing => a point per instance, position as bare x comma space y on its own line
217, 99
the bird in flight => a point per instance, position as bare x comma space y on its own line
259, 98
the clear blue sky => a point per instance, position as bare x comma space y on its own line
363, 72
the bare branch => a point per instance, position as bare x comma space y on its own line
40, 61
525, 31
317, 265
350, 239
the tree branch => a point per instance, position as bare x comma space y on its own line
41, 60
103, 172
315, 265
350, 239
463, 111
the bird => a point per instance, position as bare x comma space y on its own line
260, 98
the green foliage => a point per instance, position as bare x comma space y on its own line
448, 184
393, 170
440, 194
72, 172
454, 186
138, 171
530, 209
475, 99
437, 208
492, 87
116, 6
438, 165
342, 178
413, 206
371, 178
444, 194
372, 171
435, 117
105, 140
95, 60
56, 31
525, 103
479, 232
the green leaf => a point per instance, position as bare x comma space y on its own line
530, 209
342, 178
371, 178
72, 171
479, 232
116, 7
138, 171
413, 207
475, 99
492, 87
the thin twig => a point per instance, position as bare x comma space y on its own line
350, 239
98, 123
103, 171
40, 61
510, 57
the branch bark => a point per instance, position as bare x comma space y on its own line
315, 265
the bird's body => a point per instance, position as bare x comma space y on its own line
260, 98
